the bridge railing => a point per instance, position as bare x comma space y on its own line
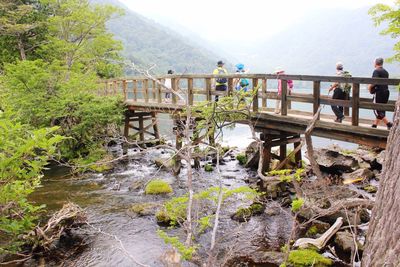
199, 87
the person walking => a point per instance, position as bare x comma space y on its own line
168, 83
221, 84
241, 83
280, 71
381, 93
338, 93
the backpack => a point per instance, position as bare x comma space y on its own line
244, 82
221, 80
346, 86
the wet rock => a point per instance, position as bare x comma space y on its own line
165, 163
381, 157
257, 258
135, 185
317, 227
273, 189
244, 214
252, 155
345, 242
272, 211
144, 209
335, 162
370, 189
357, 176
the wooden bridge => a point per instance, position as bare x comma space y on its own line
145, 98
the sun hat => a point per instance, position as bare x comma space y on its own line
239, 66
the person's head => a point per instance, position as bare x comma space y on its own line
240, 67
339, 66
220, 63
379, 62
170, 72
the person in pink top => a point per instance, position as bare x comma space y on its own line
280, 71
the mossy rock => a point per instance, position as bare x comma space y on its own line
208, 168
157, 187
370, 189
144, 209
244, 214
308, 257
241, 158
164, 219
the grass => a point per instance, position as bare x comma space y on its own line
157, 187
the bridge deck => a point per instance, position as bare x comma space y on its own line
148, 94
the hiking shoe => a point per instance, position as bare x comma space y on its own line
339, 120
389, 125
374, 126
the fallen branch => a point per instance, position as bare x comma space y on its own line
310, 148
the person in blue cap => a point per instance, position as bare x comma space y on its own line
242, 83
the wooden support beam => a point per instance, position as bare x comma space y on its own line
264, 93
297, 155
141, 128
145, 84
135, 89
154, 90
317, 96
125, 89
355, 103
159, 92
126, 127
255, 98
285, 141
266, 153
174, 87
155, 125
190, 91
284, 106
208, 89
282, 152
230, 86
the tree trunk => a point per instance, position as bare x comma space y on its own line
383, 238
21, 48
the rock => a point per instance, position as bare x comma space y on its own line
244, 214
317, 227
252, 155
144, 209
165, 163
257, 258
345, 242
136, 185
273, 189
370, 189
335, 162
357, 176
272, 211
381, 157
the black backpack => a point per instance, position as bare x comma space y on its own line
221, 80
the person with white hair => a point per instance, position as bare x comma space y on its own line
338, 93
281, 71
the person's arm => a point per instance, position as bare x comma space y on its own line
333, 86
371, 87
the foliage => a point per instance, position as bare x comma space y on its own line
312, 231
208, 168
384, 13
297, 204
244, 213
186, 252
23, 154
241, 158
308, 257
156, 187
288, 175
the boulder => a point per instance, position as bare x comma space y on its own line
357, 176
335, 162
256, 258
165, 163
136, 185
381, 157
144, 209
345, 242
252, 155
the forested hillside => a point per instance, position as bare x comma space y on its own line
317, 42
147, 43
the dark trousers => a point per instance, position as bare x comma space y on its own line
338, 110
381, 96
221, 87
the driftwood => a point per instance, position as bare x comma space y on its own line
323, 239
70, 216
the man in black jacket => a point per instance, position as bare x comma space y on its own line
381, 93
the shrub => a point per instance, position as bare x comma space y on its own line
156, 187
208, 168
297, 204
241, 158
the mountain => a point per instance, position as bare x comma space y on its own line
315, 43
147, 43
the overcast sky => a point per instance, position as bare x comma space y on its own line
258, 19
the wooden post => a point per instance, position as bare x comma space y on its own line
208, 89
174, 89
115, 85
317, 96
346, 109
141, 128
146, 90
282, 150
230, 86
355, 104
127, 121
154, 89
124, 89
155, 125
190, 91
255, 97
266, 153
284, 98
264, 93
135, 89
298, 154
159, 93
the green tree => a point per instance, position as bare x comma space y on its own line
23, 154
391, 14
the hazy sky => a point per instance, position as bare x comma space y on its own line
227, 20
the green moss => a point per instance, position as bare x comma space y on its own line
244, 214
208, 168
370, 189
158, 187
297, 204
241, 158
143, 209
308, 257
162, 217
312, 231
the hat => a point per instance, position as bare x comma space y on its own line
239, 66
279, 70
220, 62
